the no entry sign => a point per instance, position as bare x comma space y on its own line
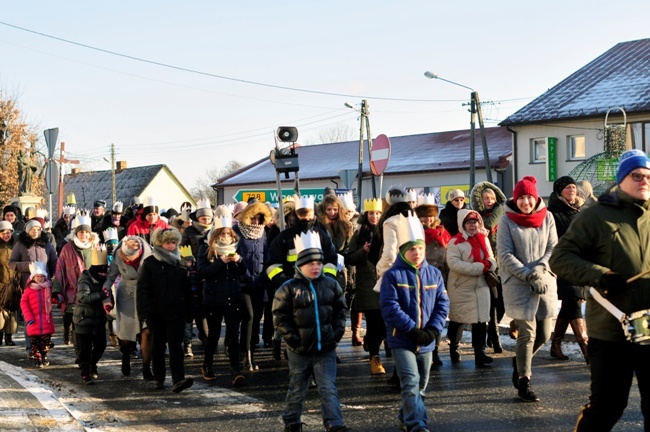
380, 154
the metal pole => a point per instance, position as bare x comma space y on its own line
472, 143
61, 174
114, 192
486, 155
362, 120
277, 181
369, 136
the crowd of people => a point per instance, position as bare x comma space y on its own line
141, 278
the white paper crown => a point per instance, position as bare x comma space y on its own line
372, 205
427, 199
149, 201
304, 201
37, 267
69, 210
82, 218
308, 240
109, 234
411, 195
204, 203
41, 213
348, 201
223, 222
118, 207
409, 229
99, 256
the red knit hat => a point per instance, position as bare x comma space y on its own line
525, 186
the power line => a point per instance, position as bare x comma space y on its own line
212, 75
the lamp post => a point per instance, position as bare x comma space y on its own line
475, 109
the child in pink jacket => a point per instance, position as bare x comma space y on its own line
36, 305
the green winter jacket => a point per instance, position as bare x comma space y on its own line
613, 235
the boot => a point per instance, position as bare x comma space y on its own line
8, 340
479, 332
558, 334
187, 348
66, 335
376, 368
515, 373
493, 339
355, 324
526, 393
296, 427
579, 328
435, 357
237, 378
113, 341
454, 330
126, 363
277, 349
146, 371
249, 365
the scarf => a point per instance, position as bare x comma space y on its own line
45, 285
439, 235
221, 249
532, 220
163, 255
80, 244
478, 244
252, 232
202, 228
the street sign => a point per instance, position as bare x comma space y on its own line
51, 176
50, 140
348, 176
271, 195
380, 154
551, 159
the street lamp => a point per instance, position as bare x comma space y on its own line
475, 109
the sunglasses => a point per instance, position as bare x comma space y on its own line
638, 177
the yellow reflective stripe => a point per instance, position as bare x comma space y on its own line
329, 268
273, 270
292, 258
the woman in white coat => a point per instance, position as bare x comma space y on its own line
469, 257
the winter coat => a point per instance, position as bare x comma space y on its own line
60, 231
89, 315
253, 253
9, 286
563, 214
193, 236
490, 216
72, 262
127, 322
365, 298
437, 239
144, 229
469, 294
27, 250
448, 217
163, 292
412, 298
36, 305
107, 222
520, 249
310, 314
221, 281
390, 243
613, 235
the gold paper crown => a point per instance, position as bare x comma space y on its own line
409, 229
348, 201
186, 251
71, 199
372, 205
426, 199
304, 201
308, 240
99, 256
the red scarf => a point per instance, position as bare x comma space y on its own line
532, 220
439, 234
478, 244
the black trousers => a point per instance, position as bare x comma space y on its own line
214, 315
252, 310
163, 333
91, 347
613, 365
375, 330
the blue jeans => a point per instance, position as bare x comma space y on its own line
413, 372
323, 367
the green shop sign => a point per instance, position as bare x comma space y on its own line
551, 159
271, 195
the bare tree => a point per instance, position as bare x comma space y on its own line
340, 133
203, 186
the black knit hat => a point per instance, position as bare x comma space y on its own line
9, 209
309, 255
561, 183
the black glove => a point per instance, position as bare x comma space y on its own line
612, 283
422, 337
104, 293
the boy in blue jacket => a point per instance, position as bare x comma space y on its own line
414, 305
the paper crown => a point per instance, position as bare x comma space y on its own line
118, 207
203, 203
372, 205
41, 213
69, 210
395, 194
82, 218
37, 267
411, 195
110, 234
186, 251
149, 202
427, 199
99, 256
409, 229
304, 201
223, 222
71, 199
308, 240
348, 201
287, 198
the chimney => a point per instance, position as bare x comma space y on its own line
75, 171
121, 166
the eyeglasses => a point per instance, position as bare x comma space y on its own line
638, 177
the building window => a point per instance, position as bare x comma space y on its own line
577, 147
641, 136
538, 150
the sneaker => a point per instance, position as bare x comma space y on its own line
46, 361
38, 364
525, 393
187, 347
93, 372
376, 368
208, 375
87, 380
182, 385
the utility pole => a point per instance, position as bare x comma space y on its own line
61, 161
114, 196
364, 126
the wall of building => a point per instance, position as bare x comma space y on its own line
166, 192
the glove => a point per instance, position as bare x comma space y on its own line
108, 307
57, 298
538, 287
422, 337
30, 322
104, 293
535, 274
612, 283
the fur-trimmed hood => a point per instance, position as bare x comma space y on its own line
287, 208
252, 210
476, 201
26, 240
166, 235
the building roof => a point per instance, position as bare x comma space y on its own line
618, 78
441, 151
98, 185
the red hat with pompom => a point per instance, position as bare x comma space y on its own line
525, 186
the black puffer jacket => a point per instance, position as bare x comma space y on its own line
449, 217
89, 315
163, 291
221, 281
300, 306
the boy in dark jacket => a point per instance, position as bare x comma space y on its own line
309, 313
